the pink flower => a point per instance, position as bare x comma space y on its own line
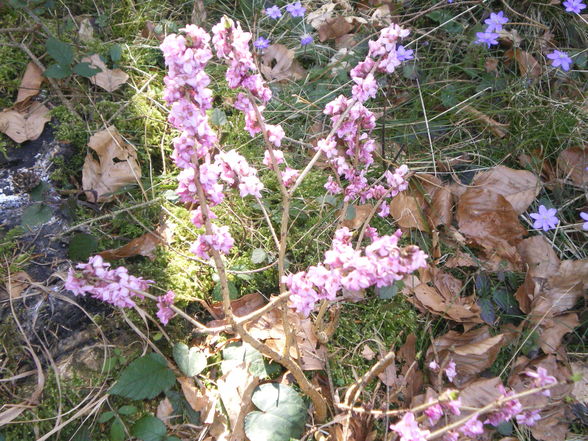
542, 379
408, 429
434, 366
473, 427
528, 418
451, 436
164, 312
450, 371
434, 413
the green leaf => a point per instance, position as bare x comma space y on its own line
60, 51
38, 193
506, 302
217, 295
146, 377
106, 416
127, 410
58, 71
86, 70
149, 428
117, 431
82, 434
236, 353
218, 117
82, 246
2, 437
172, 438
191, 361
387, 292
115, 53
258, 256
487, 312
282, 416
350, 213
36, 214
506, 428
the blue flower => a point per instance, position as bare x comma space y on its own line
495, 22
560, 59
273, 12
261, 43
296, 9
545, 218
306, 39
404, 54
574, 6
488, 38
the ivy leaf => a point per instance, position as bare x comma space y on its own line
58, 71
218, 117
60, 51
149, 428
191, 361
387, 292
105, 417
38, 193
282, 416
115, 53
237, 353
117, 431
36, 214
146, 377
127, 410
82, 246
258, 256
86, 70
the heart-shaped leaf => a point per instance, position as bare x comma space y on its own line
236, 353
282, 416
146, 377
149, 428
191, 361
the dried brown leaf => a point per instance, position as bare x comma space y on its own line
86, 31
491, 65
24, 125
164, 410
388, 376
149, 31
572, 163
460, 259
144, 245
480, 392
321, 15
538, 254
235, 389
562, 290
242, 306
488, 220
278, 63
553, 329
367, 353
458, 309
334, 28
407, 211
527, 64
360, 214
107, 79
30, 83
498, 129
473, 351
439, 211
580, 373
519, 187
553, 425
116, 166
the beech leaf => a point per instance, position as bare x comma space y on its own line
116, 166
278, 63
25, 125
30, 83
107, 79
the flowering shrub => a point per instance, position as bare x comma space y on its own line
209, 175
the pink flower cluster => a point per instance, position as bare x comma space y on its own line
232, 45
164, 312
408, 426
114, 286
344, 267
186, 56
350, 150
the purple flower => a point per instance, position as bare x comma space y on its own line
273, 12
488, 38
450, 371
495, 22
296, 9
408, 429
545, 218
404, 54
560, 59
585, 217
574, 6
261, 43
473, 427
528, 418
306, 39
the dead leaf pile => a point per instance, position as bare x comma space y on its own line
278, 63
107, 79
144, 245
26, 120
115, 167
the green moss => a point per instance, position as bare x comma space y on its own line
387, 321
